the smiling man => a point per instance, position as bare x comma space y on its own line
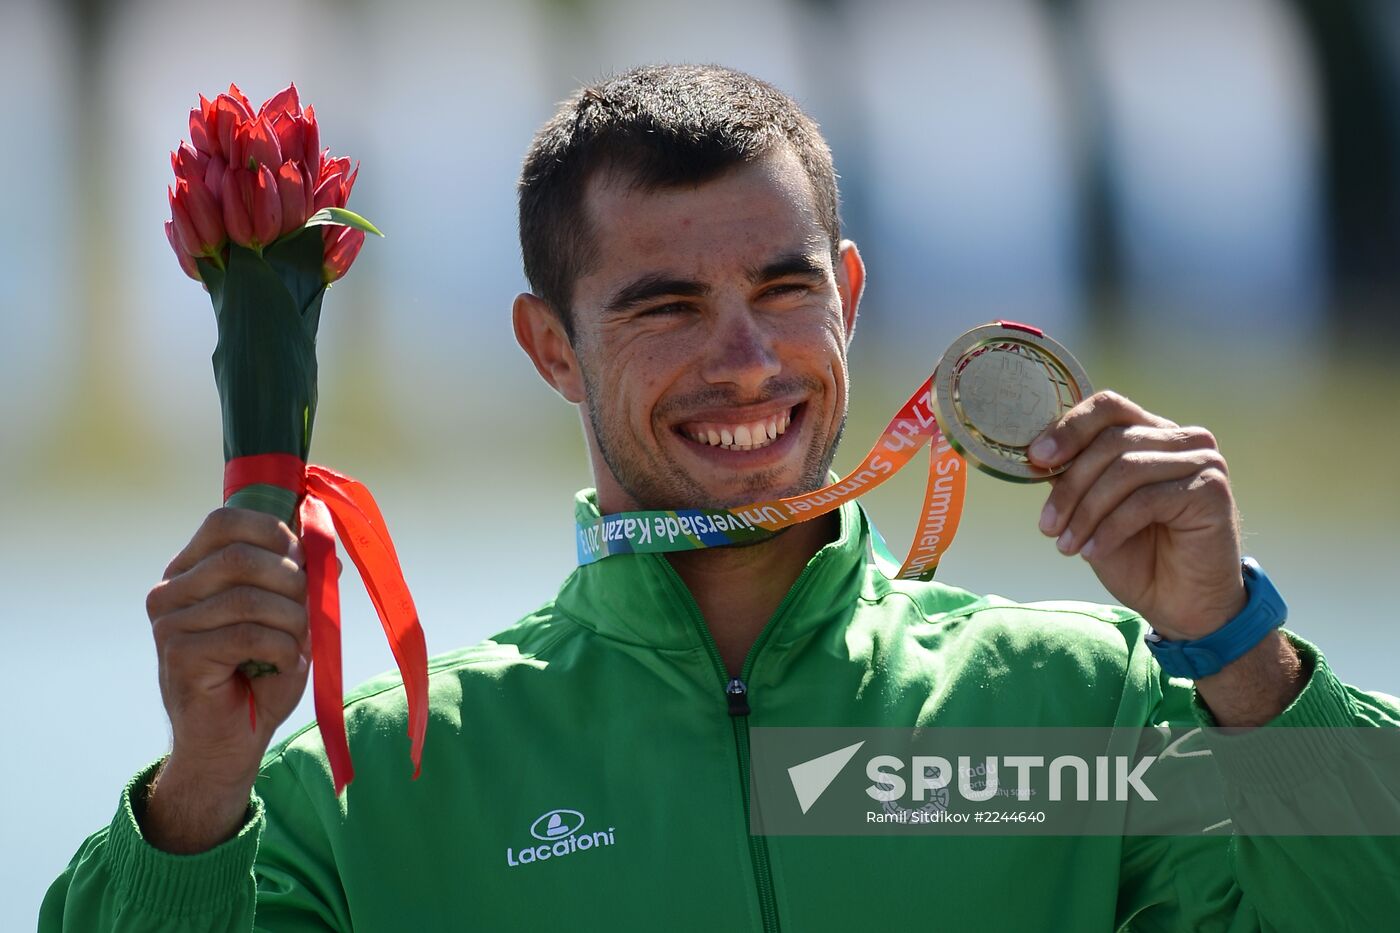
697, 305
588, 767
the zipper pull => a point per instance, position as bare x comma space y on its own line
737, 692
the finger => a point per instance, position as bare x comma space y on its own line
1123, 478
227, 525
241, 604
1160, 503
232, 565
1077, 428
1112, 443
207, 659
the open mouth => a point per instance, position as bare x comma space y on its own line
752, 433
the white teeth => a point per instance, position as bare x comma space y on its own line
753, 436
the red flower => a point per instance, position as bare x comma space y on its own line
186, 260
252, 177
237, 195
194, 197
255, 144
311, 146
229, 114
284, 101
342, 246
204, 131
294, 187
267, 207
333, 189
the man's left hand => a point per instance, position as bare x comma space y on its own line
1148, 504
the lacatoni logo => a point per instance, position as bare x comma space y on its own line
559, 833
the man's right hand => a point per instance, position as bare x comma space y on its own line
237, 592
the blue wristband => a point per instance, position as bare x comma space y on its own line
1202, 657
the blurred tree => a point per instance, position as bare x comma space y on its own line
834, 101
97, 415
1363, 163
1101, 259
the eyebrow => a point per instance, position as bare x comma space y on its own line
657, 285
792, 264
653, 286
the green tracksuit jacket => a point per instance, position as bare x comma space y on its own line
610, 702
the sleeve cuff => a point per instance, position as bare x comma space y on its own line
1318, 719
175, 885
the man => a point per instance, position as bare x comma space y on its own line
586, 769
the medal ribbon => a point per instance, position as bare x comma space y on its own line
334, 504
912, 427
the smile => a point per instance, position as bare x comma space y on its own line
749, 434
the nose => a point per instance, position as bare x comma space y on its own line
741, 350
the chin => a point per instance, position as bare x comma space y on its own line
755, 487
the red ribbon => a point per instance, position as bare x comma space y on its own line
331, 504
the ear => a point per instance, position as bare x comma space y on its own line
850, 282
541, 335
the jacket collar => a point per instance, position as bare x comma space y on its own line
639, 598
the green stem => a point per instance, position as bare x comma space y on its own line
262, 497
279, 503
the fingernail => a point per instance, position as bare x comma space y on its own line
1065, 542
302, 664
1087, 551
294, 552
1043, 450
1047, 518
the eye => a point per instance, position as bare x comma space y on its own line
787, 289
674, 307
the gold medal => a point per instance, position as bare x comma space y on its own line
997, 388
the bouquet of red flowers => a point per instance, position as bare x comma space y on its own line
258, 216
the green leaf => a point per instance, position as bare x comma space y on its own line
265, 361
297, 259
340, 217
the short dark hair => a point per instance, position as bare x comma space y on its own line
664, 126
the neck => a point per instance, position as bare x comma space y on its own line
739, 588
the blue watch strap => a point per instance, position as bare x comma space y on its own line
1202, 657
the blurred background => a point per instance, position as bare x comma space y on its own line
1202, 199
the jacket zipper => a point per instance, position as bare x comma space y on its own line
736, 693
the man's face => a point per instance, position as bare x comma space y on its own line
711, 333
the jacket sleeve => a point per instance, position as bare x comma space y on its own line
267, 877
119, 882
1232, 881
